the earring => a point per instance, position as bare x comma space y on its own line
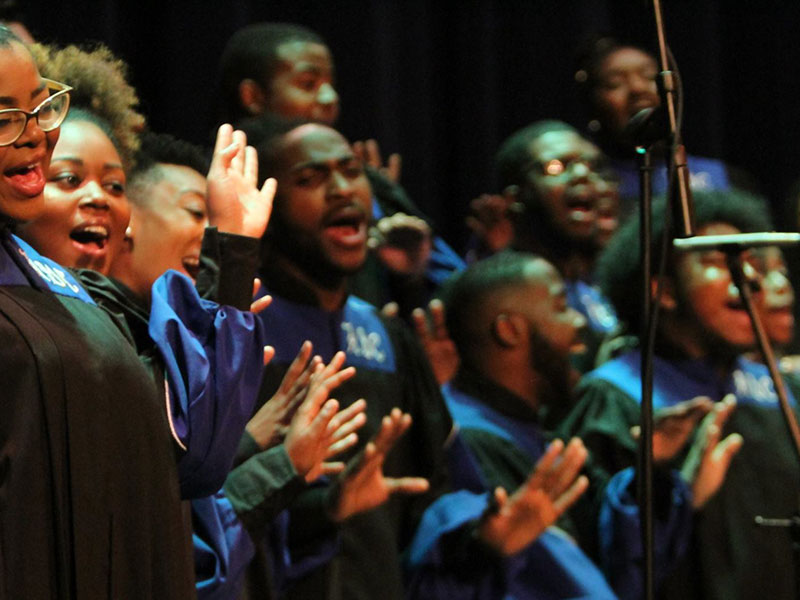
128, 233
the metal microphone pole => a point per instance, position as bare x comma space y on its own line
735, 264
681, 207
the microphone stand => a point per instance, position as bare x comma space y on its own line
645, 456
735, 264
681, 206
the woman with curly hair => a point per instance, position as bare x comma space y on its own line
89, 497
86, 210
84, 414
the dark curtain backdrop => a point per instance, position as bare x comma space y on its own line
444, 83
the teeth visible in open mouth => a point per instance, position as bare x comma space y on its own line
97, 230
23, 170
97, 234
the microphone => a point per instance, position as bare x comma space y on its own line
646, 127
737, 242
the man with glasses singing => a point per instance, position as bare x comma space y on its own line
556, 177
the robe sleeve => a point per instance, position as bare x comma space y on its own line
607, 517
448, 560
620, 539
213, 361
222, 548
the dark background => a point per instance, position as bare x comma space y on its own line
444, 83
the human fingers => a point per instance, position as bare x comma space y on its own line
250, 167
406, 485
393, 426
237, 162
699, 404
420, 321
724, 409
475, 226
321, 373
341, 445
373, 154
545, 463
269, 354
571, 495
223, 147
318, 390
318, 426
727, 449
260, 304
393, 167
256, 286
358, 151
568, 467
500, 497
347, 414
390, 309
267, 195
436, 310
297, 367
333, 381
341, 429
332, 468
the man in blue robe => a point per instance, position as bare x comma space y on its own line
317, 239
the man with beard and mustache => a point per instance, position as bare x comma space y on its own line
515, 332
316, 241
286, 70
702, 332
555, 177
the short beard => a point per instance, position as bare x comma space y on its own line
556, 372
303, 251
536, 232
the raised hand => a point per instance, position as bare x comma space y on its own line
268, 426
490, 220
315, 434
708, 460
673, 426
370, 154
435, 339
537, 504
362, 486
343, 425
403, 243
235, 204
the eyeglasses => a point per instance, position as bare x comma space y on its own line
49, 114
556, 167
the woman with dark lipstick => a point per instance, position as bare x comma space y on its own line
89, 499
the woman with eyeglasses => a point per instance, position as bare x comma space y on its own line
89, 500
86, 208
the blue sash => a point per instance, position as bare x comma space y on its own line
356, 329
676, 381
588, 301
42, 271
471, 413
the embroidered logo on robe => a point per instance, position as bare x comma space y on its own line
57, 279
676, 381
356, 329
